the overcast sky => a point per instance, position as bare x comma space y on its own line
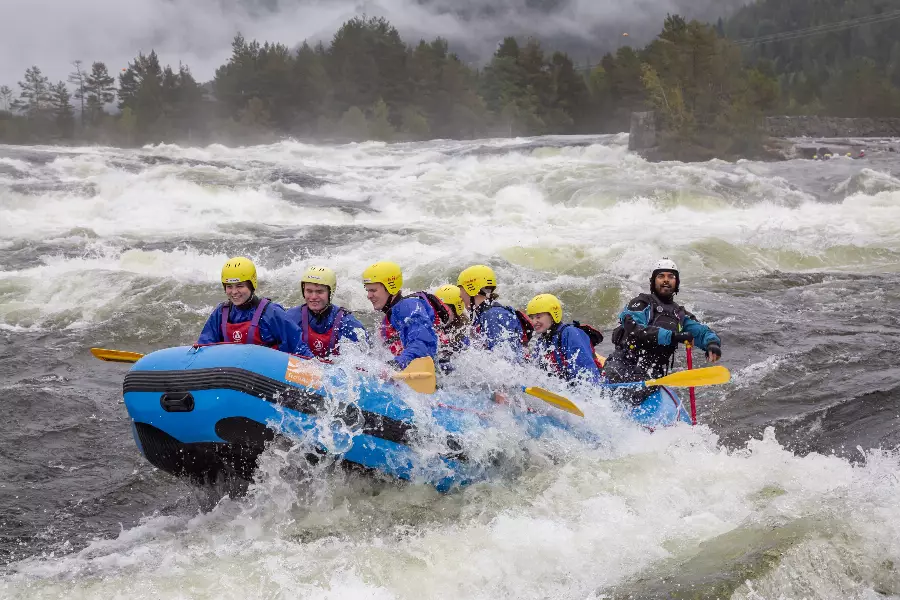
53, 33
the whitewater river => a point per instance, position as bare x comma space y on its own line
788, 488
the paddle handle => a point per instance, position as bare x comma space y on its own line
637, 384
688, 348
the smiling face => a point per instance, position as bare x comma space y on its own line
316, 296
541, 321
238, 293
377, 295
664, 283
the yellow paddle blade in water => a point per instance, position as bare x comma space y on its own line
560, 402
116, 355
694, 378
419, 375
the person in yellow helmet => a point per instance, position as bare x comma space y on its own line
245, 318
566, 350
493, 324
456, 330
322, 324
411, 323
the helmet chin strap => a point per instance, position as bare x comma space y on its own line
390, 302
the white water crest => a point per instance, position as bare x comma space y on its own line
124, 248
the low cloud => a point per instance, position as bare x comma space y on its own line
53, 33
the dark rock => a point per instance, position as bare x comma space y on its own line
642, 135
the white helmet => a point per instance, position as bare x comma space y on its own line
662, 265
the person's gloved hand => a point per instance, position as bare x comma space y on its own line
713, 352
682, 337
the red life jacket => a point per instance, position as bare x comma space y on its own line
325, 344
442, 316
248, 331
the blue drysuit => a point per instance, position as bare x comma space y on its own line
567, 350
274, 327
408, 330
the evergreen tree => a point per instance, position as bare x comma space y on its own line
100, 90
34, 98
6, 95
63, 112
78, 79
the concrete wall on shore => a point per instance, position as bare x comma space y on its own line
643, 131
829, 127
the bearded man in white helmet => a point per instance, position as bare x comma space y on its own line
650, 328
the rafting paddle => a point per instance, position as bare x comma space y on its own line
695, 378
116, 355
419, 375
560, 402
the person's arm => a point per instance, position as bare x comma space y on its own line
351, 329
576, 345
500, 326
704, 338
275, 326
416, 329
212, 331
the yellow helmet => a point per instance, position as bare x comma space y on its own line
238, 269
320, 275
476, 278
545, 303
450, 295
385, 273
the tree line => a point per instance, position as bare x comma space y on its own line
367, 83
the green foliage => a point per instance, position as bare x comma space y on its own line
353, 124
380, 127
34, 98
99, 87
367, 83
63, 112
851, 71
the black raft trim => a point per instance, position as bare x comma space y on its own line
268, 389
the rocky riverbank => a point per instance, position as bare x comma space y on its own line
789, 137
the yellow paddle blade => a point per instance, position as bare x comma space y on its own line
556, 400
116, 355
694, 378
419, 375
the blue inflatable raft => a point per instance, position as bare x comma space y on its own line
207, 413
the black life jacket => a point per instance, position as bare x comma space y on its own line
664, 316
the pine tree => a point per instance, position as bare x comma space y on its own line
141, 90
63, 112
6, 97
77, 78
100, 90
34, 99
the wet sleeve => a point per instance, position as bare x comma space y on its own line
275, 326
416, 330
580, 354
500, 326
353, 330
293, 314
703, 335
212, 331
638, 333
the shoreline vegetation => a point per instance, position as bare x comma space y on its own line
710, 95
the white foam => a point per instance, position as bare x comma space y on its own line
565, 530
